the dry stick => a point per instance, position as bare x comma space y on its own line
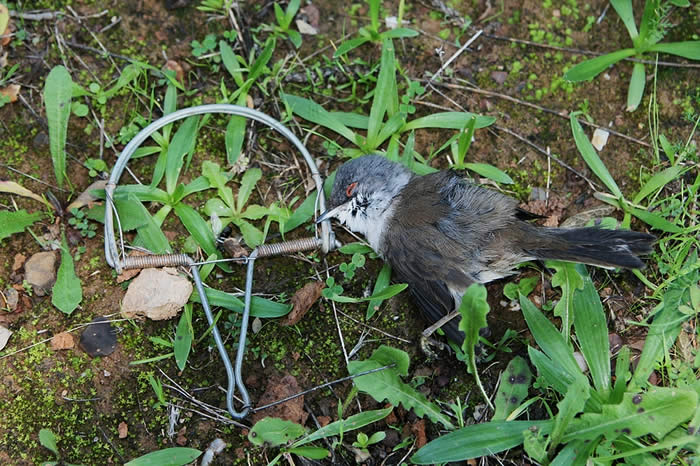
562, 113
454, 57
373, 328
318, 387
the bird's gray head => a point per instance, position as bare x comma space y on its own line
363, 192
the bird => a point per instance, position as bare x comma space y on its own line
441, 233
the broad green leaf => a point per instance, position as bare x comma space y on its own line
380, 285
548, 338
183, 143
553, 373
569, 280
66, 293
513, 388
593, 67
48, 440
58, 90
229, 59
399, 33
387, 385
655, 412
251, 234
248, 182
128, 74
390, 128
667, 323
348, 45
477, 440
235, 135
198, 184
274, 432
473, 309
654, 220
16, 222
658, 181
356, 421
218, 179
141, 192
176, 456
355, 248
448, 120
382, 94
667, 148
301, 215
591, 158
149, 232
315, 453
636, 89
688, 49
183, 337
573, 403
198, 228
352, 120
489, 171
624, 9
592, 332
310, 110
388, 292
259, 307
650, 31
14, 188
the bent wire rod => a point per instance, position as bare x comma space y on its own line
120, 262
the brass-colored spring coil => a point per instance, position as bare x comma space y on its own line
288, 247
158, 260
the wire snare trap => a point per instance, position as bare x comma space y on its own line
117, 259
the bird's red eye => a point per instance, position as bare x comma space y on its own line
351, 188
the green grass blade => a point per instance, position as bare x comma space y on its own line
382, 282
198, 228
624, 9
591, 156
656, 182
654, 220
448, 120
355, 421
183, 338
477, 440
689, 49
183, 143
16, 222
636, 89
174, 456
592, 332
399, 33
382, 93
348, 45
593, 67
259, 307
141, 192
310, 110
58, 89
490, 172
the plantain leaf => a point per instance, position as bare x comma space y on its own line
67, 292
58, 90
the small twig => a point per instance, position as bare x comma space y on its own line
46, 16
318, 387
455, 55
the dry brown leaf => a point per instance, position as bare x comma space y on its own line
302, 301
123, 429
11, 91
292, 410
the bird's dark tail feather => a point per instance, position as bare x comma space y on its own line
595, 246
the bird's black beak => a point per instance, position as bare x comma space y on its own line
327, 215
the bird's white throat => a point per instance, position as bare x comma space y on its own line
369, 213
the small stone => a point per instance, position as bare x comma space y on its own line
157, 294
123, 429
499, 76
305, 28
599, 139
9, 299
40, 272
61, 341
4, 336
99, 338
18, 262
